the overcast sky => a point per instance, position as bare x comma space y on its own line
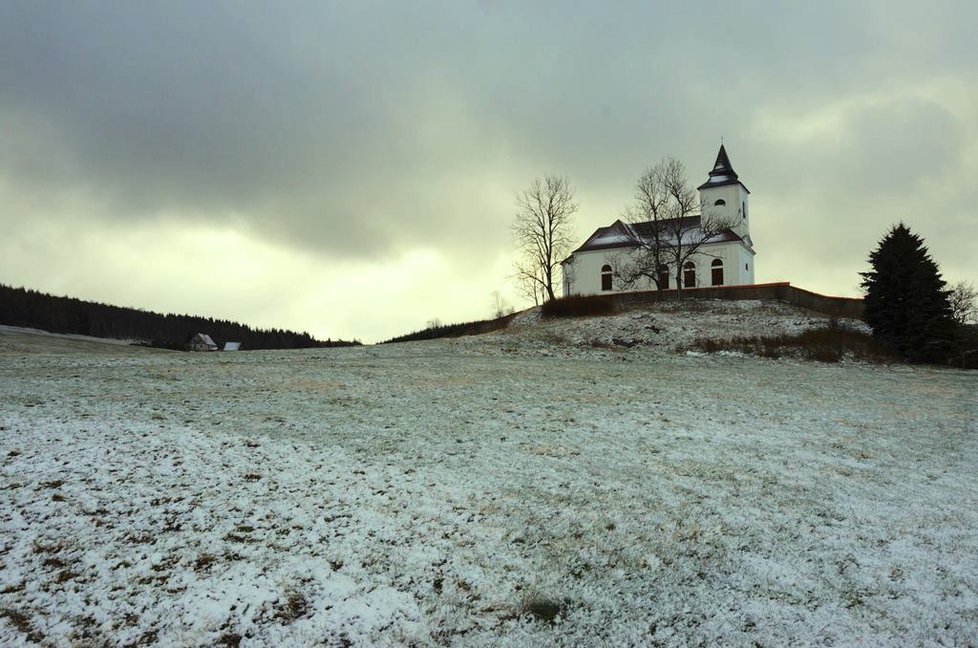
349, 169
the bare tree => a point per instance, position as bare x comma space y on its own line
529, 281
667, 226
542, 228
964, 302
645, 216
499, 306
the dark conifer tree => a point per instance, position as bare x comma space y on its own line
906, 302
33, 309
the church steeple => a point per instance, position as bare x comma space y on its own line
722, 166
722, 173
724, 196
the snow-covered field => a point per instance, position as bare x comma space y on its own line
466, 491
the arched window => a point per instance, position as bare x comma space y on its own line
663, 281
689, 274
720, 202
717, 272
606, 273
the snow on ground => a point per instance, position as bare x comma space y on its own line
672, 326
462, 491
22, 336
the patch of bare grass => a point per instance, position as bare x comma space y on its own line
291, 607
204, 561
829, 344
65, 575
47, 548
231, 639
541, 607
20, 621
142, 537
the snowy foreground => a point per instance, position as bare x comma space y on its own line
531, 487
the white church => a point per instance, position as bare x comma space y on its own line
725, 260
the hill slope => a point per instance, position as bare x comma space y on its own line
665, 327
32, 309
464, 490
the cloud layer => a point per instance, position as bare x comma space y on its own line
351, 142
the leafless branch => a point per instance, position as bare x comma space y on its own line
964, 302
662, 223
542, 230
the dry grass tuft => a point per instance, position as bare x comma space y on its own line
542, 608
822, 345
294, 606
20, 621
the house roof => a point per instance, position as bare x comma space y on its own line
722, 173
722, 166
623, 235
204, 338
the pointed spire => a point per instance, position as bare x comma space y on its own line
722, 173
722, 166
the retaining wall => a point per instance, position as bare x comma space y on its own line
846, 307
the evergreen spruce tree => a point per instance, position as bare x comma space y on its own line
906, 303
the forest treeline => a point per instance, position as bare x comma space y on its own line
33, 309
435, 331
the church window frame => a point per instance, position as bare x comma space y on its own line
607, 275
720, 202
716, 272
663, 277
689, 275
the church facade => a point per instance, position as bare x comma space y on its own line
726, 259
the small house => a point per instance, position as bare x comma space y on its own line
201, 342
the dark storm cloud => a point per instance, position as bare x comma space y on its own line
212, 103
363, 127
203, 109
892, 148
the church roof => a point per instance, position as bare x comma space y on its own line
722, 173
722, 166
622, 235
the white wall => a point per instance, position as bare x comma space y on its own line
583, 276
736, 209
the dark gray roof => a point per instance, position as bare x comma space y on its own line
620, 235
722, 173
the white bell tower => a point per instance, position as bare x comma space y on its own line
725, 196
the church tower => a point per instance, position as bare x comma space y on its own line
724, 195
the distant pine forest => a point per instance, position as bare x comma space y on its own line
32, 309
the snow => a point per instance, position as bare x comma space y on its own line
613, 237
20, 332
671, 327
430, 493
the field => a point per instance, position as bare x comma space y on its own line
577, 483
